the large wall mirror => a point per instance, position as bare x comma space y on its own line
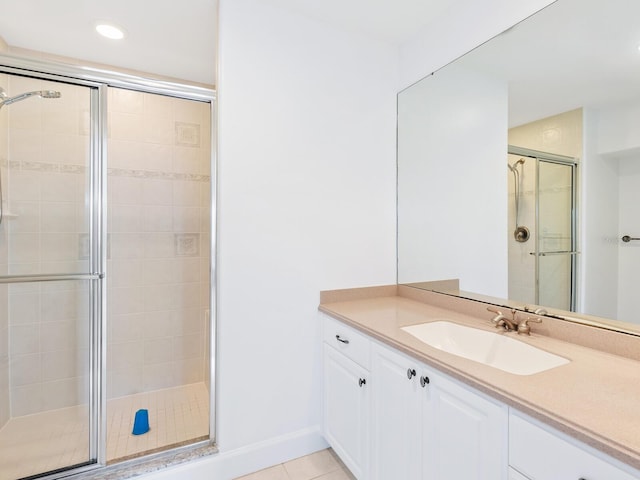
519, 166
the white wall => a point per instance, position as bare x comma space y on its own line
447, 186
306, 203
464, 26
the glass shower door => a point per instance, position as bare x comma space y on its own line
49, 288
556, 235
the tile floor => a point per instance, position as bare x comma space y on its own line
46, 441
322, 465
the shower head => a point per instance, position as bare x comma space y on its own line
4, 100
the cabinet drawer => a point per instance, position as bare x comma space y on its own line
543, 455
348, 341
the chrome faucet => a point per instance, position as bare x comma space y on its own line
501, 321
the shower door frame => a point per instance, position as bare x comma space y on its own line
100, 80
571, 162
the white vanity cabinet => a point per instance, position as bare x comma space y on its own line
539, 453
347, 397
464, 433
398, 403
427, 426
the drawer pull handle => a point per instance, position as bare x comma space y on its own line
341, 340
362, 381
411, 373
424, 381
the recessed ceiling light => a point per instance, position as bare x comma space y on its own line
110, 31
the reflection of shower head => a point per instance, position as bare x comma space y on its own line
513, 167
4, 100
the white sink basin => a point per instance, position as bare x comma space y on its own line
493, 349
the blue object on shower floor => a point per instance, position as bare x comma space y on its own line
141, 422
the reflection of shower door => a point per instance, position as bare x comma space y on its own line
555, 242
542, 268
50, 278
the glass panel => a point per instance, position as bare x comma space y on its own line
158, 288
44, 377
45, 177
555, 235
45, 327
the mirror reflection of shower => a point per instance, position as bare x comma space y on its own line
521, 233
5, 99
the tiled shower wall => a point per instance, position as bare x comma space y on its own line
159, 224
48, 322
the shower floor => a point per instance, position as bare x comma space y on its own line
47, 441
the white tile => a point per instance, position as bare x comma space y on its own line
127, 328
158, 218
24, 248
274, 473
60, 335
157, 157
125, 356
158, 130
131, 245
159, 245
59, 247
125, 101
63, 187
28, 217
26, 400
159, 375
57, 365
126, 218
25, 145
58, 217
186, 193
188, 346
24, 308
311, 466
186, 219
25, 369
157, 192
24, 339
157, 350
125, 190
126, 126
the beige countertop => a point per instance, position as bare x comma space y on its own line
595, 398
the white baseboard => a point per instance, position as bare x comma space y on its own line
245, 460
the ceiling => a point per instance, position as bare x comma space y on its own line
160, 37
177, 39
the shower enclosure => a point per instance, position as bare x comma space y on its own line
105, 267
542, 197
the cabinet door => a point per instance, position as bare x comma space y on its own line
397, 415
346, 410
465, 434
541, 454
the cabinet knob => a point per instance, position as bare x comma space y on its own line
411, 373
341, 339
424, 381
362, 381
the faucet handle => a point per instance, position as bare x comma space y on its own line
523, 326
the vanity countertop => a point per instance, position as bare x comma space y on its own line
595, 398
